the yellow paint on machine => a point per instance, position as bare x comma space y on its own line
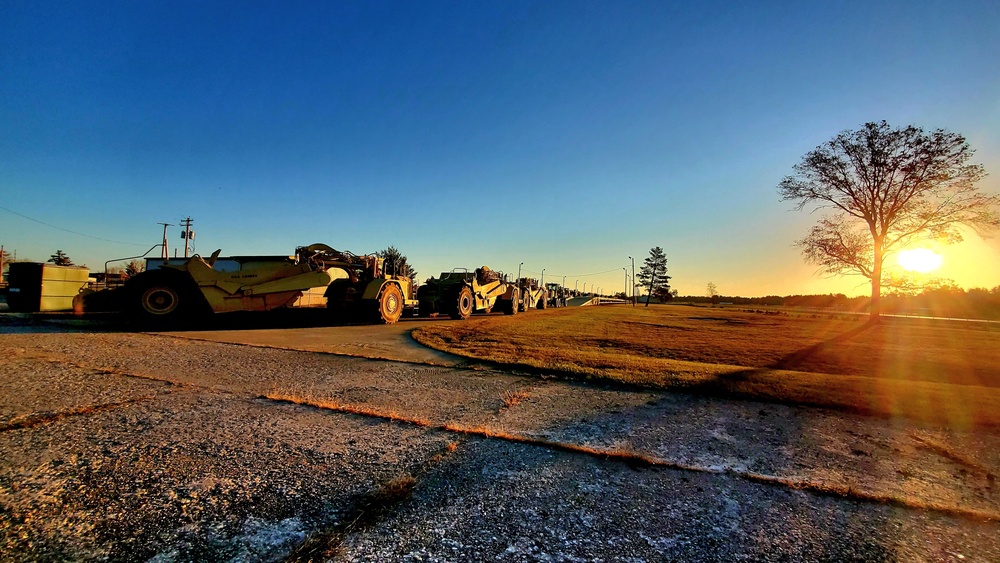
35, 287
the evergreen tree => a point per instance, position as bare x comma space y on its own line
653, 275
60, 259
134, 268
395, 263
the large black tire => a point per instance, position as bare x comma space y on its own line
390, 304
462, 308
159, 300
543, 303
339, 300
510, 307
425, 309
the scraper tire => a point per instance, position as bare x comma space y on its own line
161, 301
511, 307
390, 305
462, 309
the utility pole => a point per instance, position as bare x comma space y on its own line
187, 235
165, 254
625, 293
633, 280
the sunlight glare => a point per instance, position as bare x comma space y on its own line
919, 260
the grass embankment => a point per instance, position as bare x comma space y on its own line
933, 371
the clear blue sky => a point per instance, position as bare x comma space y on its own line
565, 135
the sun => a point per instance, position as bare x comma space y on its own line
920, 260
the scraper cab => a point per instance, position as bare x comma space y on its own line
361, 288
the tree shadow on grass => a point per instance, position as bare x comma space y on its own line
802, 360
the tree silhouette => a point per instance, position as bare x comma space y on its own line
888, 188
713, 292
134, 268
653, 275
396, 264
60, 259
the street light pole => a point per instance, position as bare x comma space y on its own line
542, 283
633, 280
519, 271
577, 286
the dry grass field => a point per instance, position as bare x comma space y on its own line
939, 372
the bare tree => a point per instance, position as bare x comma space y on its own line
888, 188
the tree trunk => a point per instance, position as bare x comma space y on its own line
876, 303
652, 284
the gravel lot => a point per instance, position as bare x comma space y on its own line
123, 446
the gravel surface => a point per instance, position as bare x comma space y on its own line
125, 447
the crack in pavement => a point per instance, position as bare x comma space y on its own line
39, 418
635, 459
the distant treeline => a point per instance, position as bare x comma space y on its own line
976, 303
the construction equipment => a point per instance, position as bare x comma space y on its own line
38, 287
169, 292
460, 292
533, 296
558, 295
367, 291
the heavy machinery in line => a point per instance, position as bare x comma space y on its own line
354, 286
558, 295
533, 295
459, 293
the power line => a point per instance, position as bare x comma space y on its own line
67, 230
558, 275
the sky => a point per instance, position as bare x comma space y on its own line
567, 136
